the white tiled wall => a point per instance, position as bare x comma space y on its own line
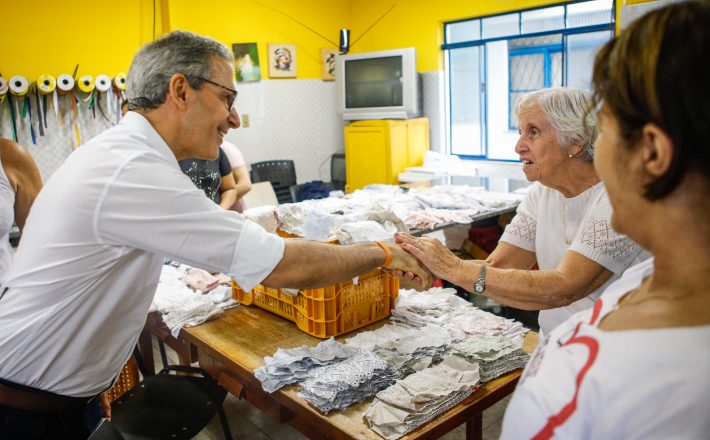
290, 119
433, 99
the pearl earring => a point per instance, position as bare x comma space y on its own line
570, 155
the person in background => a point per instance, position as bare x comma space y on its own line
636, 365
214, 177
20, 182
240, 173
563, 224
77, 293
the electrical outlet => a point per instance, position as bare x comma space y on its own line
245, 120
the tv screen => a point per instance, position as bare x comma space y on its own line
374, 82
378, 85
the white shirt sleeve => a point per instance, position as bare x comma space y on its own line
599, 242
158, 209
522, 230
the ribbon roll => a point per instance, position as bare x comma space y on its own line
65, 83
103, 83
46, 84
3, 87
86, 84
19, 86
119, 81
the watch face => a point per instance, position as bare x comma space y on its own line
478, 288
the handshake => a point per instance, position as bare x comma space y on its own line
419, 261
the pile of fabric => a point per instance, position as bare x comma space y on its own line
495, 355
187, 296
293, 365
405, 349
438, 345
420, 397
352, 380
375, 212
442, 307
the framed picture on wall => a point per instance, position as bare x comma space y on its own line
327, 57
246, 58
282, 60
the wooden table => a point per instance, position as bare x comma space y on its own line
231, 347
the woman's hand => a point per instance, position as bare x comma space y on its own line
432, 254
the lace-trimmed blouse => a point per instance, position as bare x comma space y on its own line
549, 224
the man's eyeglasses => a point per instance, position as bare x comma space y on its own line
230, 100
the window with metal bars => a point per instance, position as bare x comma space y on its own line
492, 61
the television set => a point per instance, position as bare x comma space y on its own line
378, 85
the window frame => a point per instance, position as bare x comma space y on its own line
564, 32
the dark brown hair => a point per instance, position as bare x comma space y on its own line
656, 71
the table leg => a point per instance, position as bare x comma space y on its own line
145, 346
474, 428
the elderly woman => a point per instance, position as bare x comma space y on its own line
563, 223
636, 365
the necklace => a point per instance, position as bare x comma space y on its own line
632, 301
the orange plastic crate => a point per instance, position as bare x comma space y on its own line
329, 311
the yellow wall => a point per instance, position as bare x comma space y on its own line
40, 38
102, 39
232, 21
419, 23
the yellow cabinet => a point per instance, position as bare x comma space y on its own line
377, 151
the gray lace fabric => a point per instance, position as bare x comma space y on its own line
293, 365
352, 380
417, 399
495, 355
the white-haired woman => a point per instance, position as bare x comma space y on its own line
563, 224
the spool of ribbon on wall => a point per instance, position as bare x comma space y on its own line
4, 89
65, 86
104, 86
46, 85
86, 85
31, 100
19, 88
119, 89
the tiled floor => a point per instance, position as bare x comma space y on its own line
247, 422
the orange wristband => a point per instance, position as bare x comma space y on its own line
388, 258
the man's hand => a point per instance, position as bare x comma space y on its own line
404, 263
440, 261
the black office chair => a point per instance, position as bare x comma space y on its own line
177, 403
281, 174
337, 171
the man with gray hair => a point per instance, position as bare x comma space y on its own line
77, 294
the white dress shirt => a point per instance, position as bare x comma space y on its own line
83, 278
